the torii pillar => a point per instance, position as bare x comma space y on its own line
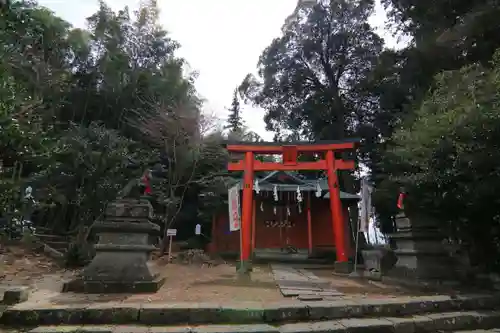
246, 218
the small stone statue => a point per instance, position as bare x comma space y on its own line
138, 188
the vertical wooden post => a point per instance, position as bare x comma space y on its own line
336, 208
214, 233
253, 227
309, 224
246, 220
169, 249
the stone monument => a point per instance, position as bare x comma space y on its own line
122, 253
420, 251
378, 261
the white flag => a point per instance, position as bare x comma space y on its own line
233, 195
366, 205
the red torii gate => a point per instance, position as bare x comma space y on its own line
290, 152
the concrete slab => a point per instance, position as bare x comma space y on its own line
296, 292
310, 297
298, 285
295, 282
312, 288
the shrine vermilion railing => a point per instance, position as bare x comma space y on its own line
290, 152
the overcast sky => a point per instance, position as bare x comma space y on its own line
221, 39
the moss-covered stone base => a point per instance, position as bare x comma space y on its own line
343, 267
244, 267
113, 287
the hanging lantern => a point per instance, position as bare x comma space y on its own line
274, 210
256, 186
261, 206
275, 193
300, 208
288, 211
318, 190
299, 195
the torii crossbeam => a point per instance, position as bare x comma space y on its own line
290, 152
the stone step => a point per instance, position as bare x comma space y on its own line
438, 322
27, 314
493, 330
57, 245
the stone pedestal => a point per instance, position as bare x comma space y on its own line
244, 268
343, 267
378, 262
419, 250
122, 253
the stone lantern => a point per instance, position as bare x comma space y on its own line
122, 252
420, 251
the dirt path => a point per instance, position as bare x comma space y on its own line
21, 267
184, 283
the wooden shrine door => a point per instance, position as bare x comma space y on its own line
277, 231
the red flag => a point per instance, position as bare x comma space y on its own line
400, 200
145, 180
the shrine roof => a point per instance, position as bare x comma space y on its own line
282, 177
287, 181
344, 196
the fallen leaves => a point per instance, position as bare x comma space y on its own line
20, 266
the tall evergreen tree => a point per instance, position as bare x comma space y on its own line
311, 79
234, 121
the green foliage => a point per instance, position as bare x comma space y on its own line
445, 36
10, 196
447, 155
85, 112
310, 78
87, 168
464, 31
234, 121
327, 77
73, 104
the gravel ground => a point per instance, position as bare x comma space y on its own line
184, 283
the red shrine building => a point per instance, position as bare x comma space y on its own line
300, 228
282, 211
